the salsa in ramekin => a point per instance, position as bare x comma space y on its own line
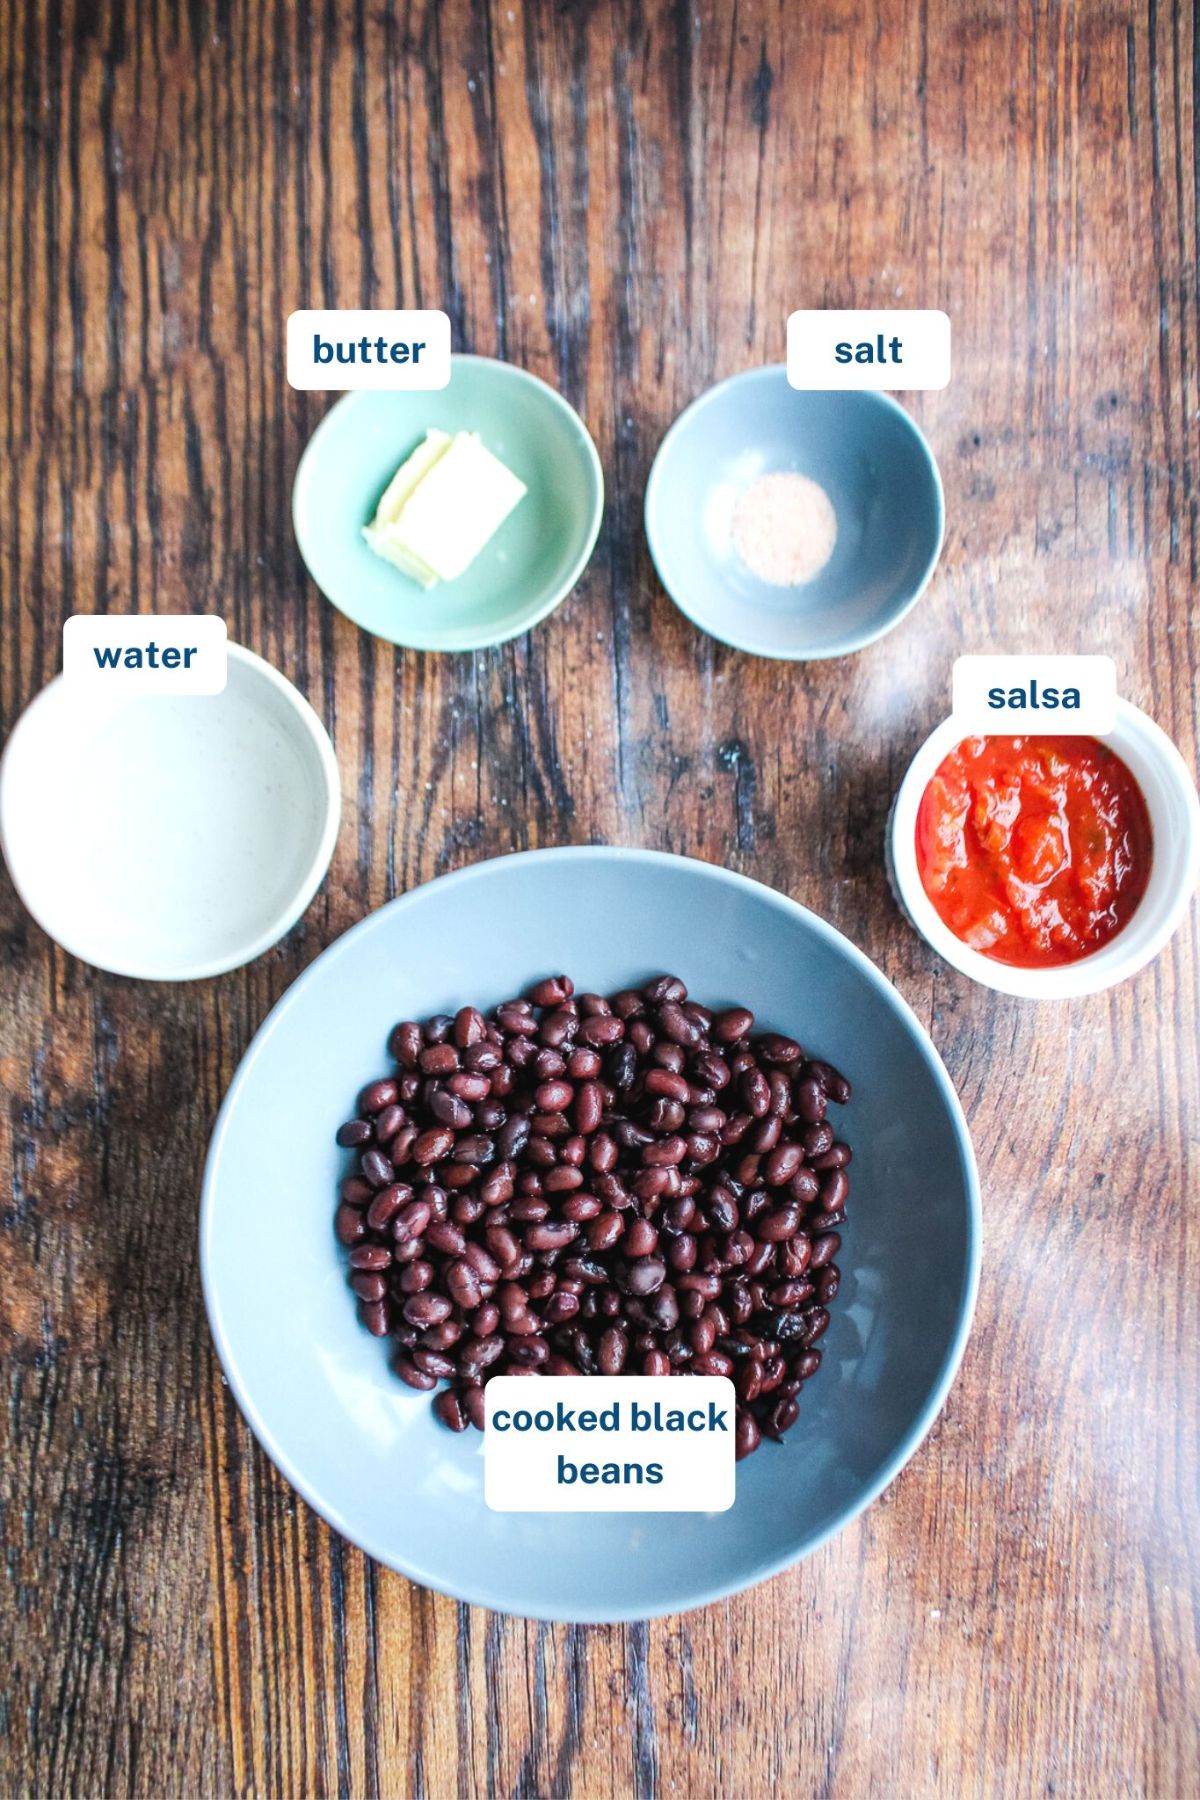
1033, 850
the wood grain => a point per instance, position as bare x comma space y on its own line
628, 200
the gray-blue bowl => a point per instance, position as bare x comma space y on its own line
368, 1453
872, 461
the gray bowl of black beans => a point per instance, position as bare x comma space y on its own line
616, 1171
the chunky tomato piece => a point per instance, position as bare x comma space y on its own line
1034, 851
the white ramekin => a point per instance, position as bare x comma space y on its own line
262, 776
1170, 793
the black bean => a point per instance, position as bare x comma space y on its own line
613, 1349
835, 1187
450, 1410
370, 1256
405, 1044
780, 1222
387, 1203
755, 1091
368, 1285
389, 1123
427, 1309
376, 1167
780, 1417
817, 1139
664, 987
641, 1239
644, 1276
416, 1378
376, 1095
349, 1224
782, 1164
675, 1024
449, 1109
552, 991
824, 1249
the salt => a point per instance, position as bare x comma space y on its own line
784, 528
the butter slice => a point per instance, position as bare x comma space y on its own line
444, 503
412, 471
457, 507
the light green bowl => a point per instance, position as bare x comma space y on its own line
533, 561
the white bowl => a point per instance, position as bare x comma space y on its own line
1170, 795
170, 836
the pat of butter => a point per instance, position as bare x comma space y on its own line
411, 472
442, 506
408, 476
457, 507
382, 543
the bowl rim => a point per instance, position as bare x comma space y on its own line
852, 641
1126, 953
286, 916
705, 1593
465, 643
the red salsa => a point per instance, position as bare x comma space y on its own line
1034, 850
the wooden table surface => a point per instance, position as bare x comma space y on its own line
627, 200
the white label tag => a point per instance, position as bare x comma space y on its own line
1012, 696
146, 653
368, 348
868, 349
609, 1443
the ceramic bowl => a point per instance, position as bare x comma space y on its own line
170, 836
528, 567
1170, 795
872, 461
368, 1453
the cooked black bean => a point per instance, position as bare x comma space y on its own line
450, 1410
641, 1239
389, 1123
824, 1249
553, 991
612, 1350
782, 1164
810, 1100
376, 1315
817, 1139
427, 1309
835, 1187
755, 1091
778, 1223
387, 1203
349, 1225
416, 1378
376, 1095
405, 1044
449, 1109
376, 1167
644, 1276
370, 1256
780, 1417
